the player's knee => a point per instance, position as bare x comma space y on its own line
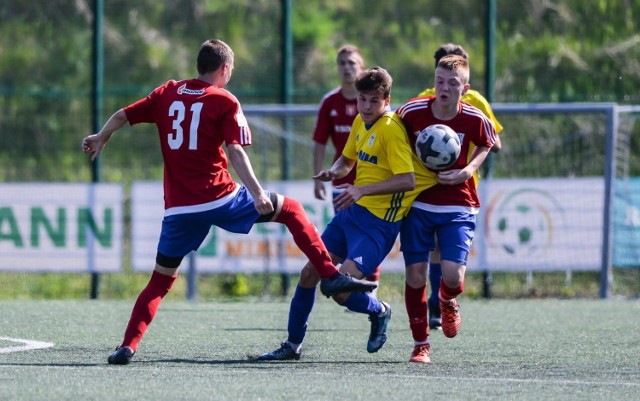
453, 273
309, 277
341, 298
351, 268
416, 275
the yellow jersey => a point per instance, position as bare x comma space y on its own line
382, 151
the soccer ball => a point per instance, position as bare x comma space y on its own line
437, 146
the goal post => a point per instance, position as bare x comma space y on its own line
563, 157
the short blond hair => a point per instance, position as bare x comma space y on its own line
455, 63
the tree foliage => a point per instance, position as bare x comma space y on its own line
546, 51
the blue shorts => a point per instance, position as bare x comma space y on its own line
183, 233
357, 234
454, 232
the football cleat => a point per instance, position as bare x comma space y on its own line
421, 354
284, 353
379, 324
121, 356
340, 282
451, 320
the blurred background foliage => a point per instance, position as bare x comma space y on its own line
546, 51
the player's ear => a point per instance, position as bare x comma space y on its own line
466, 89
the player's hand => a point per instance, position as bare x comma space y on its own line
93, 144
325, 176
263, 204
453, 177
319, 190
348, 197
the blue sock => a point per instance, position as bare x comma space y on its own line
363, 303
435, 274
299, 311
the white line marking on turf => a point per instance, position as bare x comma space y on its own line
232, 374
28, 345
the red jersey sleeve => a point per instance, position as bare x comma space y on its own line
144, 110
234, 124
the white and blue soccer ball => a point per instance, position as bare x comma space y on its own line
437, 146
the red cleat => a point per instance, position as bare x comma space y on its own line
421, 354
451, 320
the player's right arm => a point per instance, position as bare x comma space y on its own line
402, 182
321, 135
319, 151
95, 143
339, 169
241, 164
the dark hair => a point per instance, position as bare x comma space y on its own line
212, 55
375, 79
447, 49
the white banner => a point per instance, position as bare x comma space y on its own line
545, 224
538, 225
61, 227
267, 247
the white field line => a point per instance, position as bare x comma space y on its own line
225, 371
28, 345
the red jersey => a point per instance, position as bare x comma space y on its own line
194, 119
333, 122
473, 127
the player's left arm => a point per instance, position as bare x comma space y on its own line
497, 145
483, 138
479, 101
458, 176
242, 165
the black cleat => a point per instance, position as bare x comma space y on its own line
284, 353
379, 324
435, 316
344, 283
121, 356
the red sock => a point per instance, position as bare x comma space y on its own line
448, 293
146, 307
415, 299
306, 237
375, 276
